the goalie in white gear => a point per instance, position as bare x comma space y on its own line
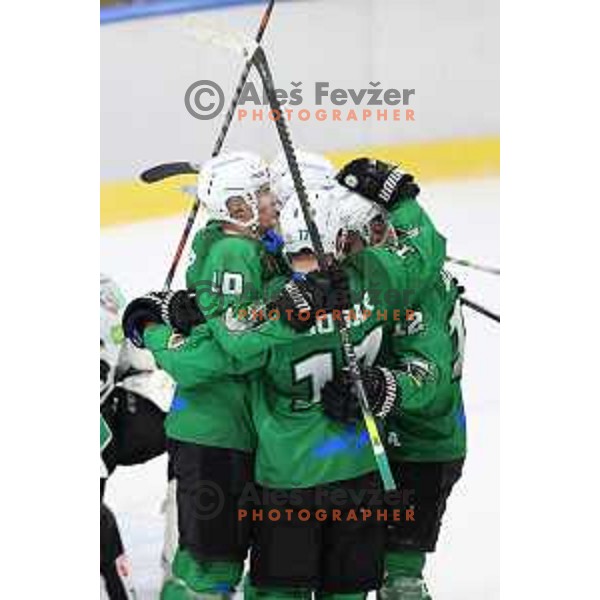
131, 425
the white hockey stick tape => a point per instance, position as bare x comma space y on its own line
208, 33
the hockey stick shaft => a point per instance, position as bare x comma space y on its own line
259, 60
242, 82
217, 148
480, 309
471, 265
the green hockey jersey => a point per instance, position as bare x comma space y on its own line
298, 445
426, 354
224, 270
426, 350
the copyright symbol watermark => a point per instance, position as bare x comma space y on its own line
208, 500
204, 99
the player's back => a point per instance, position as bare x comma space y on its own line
428, 350
299, 445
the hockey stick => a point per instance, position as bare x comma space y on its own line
480, 309
160, 172
467, 263
259, 60
217, 148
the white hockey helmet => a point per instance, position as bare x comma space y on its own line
350, 213
241, 175
317, 173
112, 304
293, 226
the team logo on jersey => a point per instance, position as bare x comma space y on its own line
418, 370
407, 234
240, 321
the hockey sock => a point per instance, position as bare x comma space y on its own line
409, 563
210, 580
404, 577
254, 593
354, 596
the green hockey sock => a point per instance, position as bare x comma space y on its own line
354, 596
210, 580
254, 593
409, 563
404, 577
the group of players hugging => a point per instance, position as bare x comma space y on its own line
269, 457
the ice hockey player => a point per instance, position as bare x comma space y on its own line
131, 426
318, 175
211, 436
426, 431
302, 454
422, 364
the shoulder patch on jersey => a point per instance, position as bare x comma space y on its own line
404, 234
237, 322
419, 370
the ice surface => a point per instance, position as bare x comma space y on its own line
466, 565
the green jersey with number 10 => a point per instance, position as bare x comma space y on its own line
224, 270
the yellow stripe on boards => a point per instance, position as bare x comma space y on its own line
451, 159
131, 201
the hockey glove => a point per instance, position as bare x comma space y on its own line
381, 182
340, 401
301, 298
177, 309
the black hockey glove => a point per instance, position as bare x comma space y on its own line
381, 182
340, 401
301, 299
177, 309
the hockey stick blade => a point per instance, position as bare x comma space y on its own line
166, 170
472, 265
264, 21
223, 38
480, 309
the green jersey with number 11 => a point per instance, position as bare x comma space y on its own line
299, 446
